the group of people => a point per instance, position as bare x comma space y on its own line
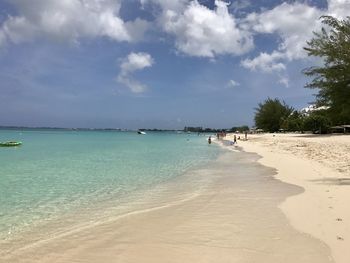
221, 135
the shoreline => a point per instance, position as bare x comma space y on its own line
234, 219
318, 164
187, 186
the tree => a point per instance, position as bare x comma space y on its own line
333, 78
270, 114
317, 123
294, 122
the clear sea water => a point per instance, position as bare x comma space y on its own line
55, 173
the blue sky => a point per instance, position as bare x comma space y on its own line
153, 63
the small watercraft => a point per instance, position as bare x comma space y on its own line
141, 132
10, 144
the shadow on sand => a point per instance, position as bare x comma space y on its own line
333, 181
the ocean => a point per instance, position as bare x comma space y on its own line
60, 178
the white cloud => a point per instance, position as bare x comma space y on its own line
339, 8
196, 29
134, 62
200, 31
265, 62
232, 84
294, 23
68, 20
284, 80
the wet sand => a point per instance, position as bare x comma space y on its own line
234, 218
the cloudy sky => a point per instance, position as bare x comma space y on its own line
153, 63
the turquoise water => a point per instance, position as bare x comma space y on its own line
57, 172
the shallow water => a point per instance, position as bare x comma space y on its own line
55, 174
225, 210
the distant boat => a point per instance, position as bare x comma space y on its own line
141, 132
10, 144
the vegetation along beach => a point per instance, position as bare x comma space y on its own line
174, 131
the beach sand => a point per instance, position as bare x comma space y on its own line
234, 218
320, 164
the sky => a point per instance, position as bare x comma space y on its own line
153, 63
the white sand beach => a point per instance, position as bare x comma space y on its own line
321, 165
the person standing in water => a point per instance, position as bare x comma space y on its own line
235, 139
209, 140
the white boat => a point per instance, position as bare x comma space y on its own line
141, 132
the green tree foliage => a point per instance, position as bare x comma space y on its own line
193, 129
317, 123
294, 122
333, 78
270, 114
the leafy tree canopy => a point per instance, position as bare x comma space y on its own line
333, 78
294, 122
270, 114
316, 122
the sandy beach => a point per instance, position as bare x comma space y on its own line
320, 164
234, 218
123, 131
